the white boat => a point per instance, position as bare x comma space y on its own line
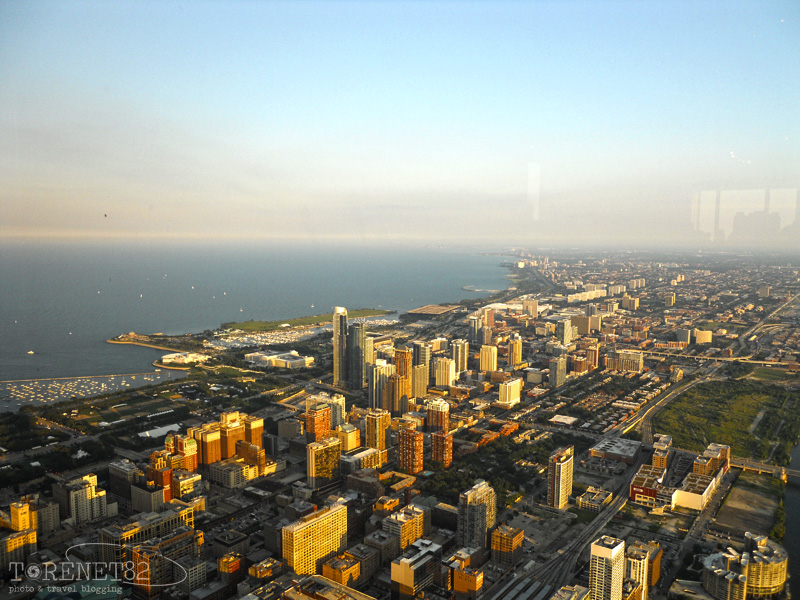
30, 352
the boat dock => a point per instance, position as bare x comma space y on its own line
37, 392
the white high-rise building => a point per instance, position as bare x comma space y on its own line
607, 568
477, 512
510, 392
459, 352
445, 372
637, 567
488, 360
559, 477
80, 500
377, 376
338, 409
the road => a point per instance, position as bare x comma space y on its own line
646, 417
746, 335
559, 570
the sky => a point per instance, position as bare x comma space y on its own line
489, 122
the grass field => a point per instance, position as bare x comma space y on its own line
714, 325
303, 321
771, 374
703, 415
723, 412
584, 516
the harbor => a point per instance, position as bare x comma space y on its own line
38, 392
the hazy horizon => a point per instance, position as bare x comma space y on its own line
627, 124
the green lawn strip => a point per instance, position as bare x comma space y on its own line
768, 374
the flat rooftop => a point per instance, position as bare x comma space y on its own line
434, 309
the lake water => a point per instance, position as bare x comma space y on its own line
62, 301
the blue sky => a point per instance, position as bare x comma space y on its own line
382, 120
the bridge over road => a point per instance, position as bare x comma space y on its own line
752, 466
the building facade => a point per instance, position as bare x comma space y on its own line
477, 513
607, 568
559, 477
310, 541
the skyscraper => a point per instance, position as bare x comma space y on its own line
318, 422
186, 446
558, 371
531, 308
607, 568
377, 376
459, 352
208, 438
420, 377
438, 415
411, 450
442, 449
339, 346
637, 567
253, 431
510, 391
564, 331
310, 541
422, 353
445, 372
403, 361
515, 351
356, 356
475, 325
231, 429
559, 477
377, 424
336, 402
323, 461
488, 360
396, 394
477, 511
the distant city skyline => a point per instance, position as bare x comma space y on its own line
513, 123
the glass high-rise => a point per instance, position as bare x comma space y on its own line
477, 512
339, 346
356, 356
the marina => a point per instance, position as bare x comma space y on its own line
38, 392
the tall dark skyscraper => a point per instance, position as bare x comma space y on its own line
356, 356
475, 325
339, 346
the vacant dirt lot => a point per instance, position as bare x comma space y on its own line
749, 507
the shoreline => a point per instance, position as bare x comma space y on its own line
381, 312
159, 365
144, 345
